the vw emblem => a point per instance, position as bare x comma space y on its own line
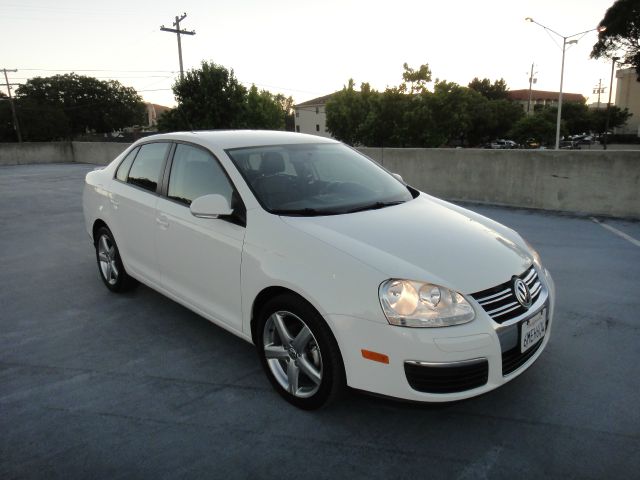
522, 293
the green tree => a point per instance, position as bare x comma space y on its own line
457, 113
388, 111
420, 127
208, 97
576, 117
263, 110
621, 34
88, 104
417, 79
286, 103
347, 112
38, 122
504, 115
42, 122
598, 118
538, 126
496, 91
7, 133
410, 115
211, 97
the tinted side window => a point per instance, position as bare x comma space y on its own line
194, 173
147, 167
125, 165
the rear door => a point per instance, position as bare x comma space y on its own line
133, 202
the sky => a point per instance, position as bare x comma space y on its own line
305, 48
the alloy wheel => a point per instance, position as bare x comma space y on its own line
292, 354
107, 259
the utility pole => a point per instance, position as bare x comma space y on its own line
16, 125
531, 82
599, 89
179, 32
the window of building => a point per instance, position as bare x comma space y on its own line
317, 110
147, 167
195, 173
297, 114
317, 127
298, 128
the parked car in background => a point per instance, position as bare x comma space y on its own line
531, 143
583, 139
338, 271
502, 144
569, 145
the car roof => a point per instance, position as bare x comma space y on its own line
227, 139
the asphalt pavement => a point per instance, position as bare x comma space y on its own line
97, 385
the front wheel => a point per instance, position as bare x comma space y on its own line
298, 353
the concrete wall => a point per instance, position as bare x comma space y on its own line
586, 182
97, 153
35, 152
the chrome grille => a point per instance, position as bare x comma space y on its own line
500, 302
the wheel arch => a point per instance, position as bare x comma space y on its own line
262, 298
270, 292
97, 224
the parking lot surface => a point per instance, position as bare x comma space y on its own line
98, 385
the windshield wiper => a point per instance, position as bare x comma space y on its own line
314, 212
374, 206
305, 212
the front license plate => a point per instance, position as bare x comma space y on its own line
533, 330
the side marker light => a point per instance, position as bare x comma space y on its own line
375, 356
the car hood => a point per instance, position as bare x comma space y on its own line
425, 239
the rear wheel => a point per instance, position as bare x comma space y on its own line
110, 264
298, 352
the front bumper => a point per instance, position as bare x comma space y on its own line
475, 358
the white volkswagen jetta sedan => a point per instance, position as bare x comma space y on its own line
337, 271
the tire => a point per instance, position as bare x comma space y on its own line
299, 353
110, 265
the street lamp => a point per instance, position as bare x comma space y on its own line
606, 125
565, 42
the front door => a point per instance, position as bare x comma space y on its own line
199, 258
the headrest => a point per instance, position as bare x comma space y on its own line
272, 162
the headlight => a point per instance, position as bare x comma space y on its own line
415, 304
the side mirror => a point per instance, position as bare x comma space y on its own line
210, 206
398, 177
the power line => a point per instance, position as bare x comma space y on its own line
93, 70
110, 77
179, 32
159, 78
244, 82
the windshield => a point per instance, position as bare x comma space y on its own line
316, 179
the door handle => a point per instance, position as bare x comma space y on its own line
163, 221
